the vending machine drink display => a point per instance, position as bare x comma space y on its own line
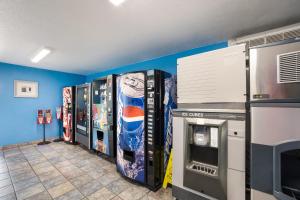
68, 114
83, 118
144, 104
104, 115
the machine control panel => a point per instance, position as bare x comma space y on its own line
150, 118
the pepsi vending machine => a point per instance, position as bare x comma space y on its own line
144, 109
68, 114
104, 115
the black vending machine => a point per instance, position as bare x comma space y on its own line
83, 115
104, 115
144, 105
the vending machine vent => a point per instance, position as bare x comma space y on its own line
274, 38
288, 67
257, 42
292, 34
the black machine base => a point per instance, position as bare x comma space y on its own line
181, 194
44, 142
153, 189
58, 140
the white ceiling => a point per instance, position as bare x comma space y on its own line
92, 35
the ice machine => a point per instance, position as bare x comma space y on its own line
275, 114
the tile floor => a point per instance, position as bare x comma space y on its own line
60, 171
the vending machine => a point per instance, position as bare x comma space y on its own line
68, 114
144, 106
83, 115
104, 115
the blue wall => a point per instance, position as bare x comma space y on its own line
167, 63
18, 115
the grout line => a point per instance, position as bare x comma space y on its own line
53, 165
9, 175
61, 174
35, 174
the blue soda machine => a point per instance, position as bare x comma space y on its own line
144, 125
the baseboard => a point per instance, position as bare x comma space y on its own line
11, 146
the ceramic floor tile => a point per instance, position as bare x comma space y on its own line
133, 193
65, 172
95, 174
5, 182
10, 196
42, 170
116, 198
3, 169
63, 164
72, 172
26, 183
60, 189
118, 186
41, 165
90, 188
30, 191
37, 161
102, 194
40, 196
72, 195
6, 190
20, 171
4, 175
161, 194
50, 183
108, 178
49, 175
22, 176
81, 180
18, 165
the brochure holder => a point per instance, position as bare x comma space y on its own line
43, 118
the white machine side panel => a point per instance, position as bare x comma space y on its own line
274, 125
236, 153
178, 151
235, 185
216, 76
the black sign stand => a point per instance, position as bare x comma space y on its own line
44, 137
44, 134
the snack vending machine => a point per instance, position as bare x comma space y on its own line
83, 115
144, 108
104, 115
68, 114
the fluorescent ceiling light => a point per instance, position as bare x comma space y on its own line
117, 2
40, 55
